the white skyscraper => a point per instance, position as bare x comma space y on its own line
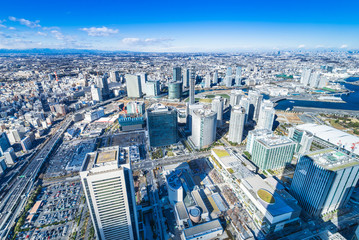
255, 99
215, 77
304, 79
228, 79
236, 124
143, 77
207, 83
96, 93
238, 76
217, 107
244, 102
314, 79
108, 184
153, 88
133, 84
114, 76
235, 97
266, 115
204, 125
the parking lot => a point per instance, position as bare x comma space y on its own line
54, 213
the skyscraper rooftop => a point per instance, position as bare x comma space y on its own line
333, 160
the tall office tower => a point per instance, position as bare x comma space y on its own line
228, 79
204, 126
272, 152
133, 85
4, 143
217, 107
255, 99
161, 125
153, 88
114, 76
238, 76
207, 83
235, 97
236, 124
324, 181
96, 93
192, 83
177, 73
304, 79
266, 115
253, 135
215, 77
143, 77
175, 90
135, 108
303, 139
102, 84
186, 76
108, 184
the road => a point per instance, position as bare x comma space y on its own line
21, 188
149, 164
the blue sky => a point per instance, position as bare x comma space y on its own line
180, 26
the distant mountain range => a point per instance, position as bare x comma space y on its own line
58, 51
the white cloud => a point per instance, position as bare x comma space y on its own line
42, 33
344, 46
2, 25
301, 46
146, 42
12, 28
25, 22
99, 32
57, 34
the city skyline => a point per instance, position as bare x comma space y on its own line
185, 27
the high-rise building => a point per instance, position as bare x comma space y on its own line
215, 77
135, 108
175, 90
96, 93
244, 102
314, 79
207, 81
238, 77
186, 76
114, 76
108, 184
324, 181
143, 77
304, 79
192, 83
272, 152
177, 73
236, 124
153, 88
255, 99
204, 125
4, 143
191, 108
235, 97
266, 115
133, 85
303, 139
102, 84
217, 107
162, 125
228, 78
